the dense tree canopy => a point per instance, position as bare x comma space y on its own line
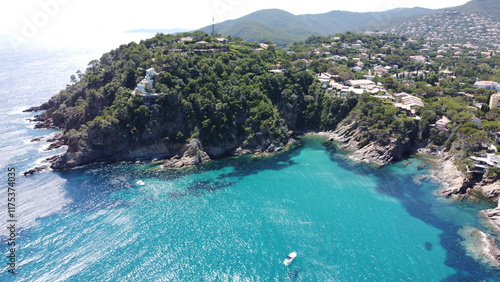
246, 94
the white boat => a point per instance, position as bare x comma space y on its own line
140, 182
290, 258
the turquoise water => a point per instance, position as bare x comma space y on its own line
231, 220
238, 218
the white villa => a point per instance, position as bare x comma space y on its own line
484, 162
145, 86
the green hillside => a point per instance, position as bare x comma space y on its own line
283, 28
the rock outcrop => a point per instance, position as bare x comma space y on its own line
480, 246
452, 180
355, 138
489, 186
493, 216
36, 169
457, 183
193, 155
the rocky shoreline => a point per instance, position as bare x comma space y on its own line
354, 138
451, 179
351, 136
377, 152
174, 155
454, 183
480, 246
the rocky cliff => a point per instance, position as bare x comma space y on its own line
365, 148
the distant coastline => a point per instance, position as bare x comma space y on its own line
159, 30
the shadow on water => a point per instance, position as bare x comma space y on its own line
249, 165
293, 274
410, 195
89, 187
198, 188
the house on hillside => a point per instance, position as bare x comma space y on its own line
324, 78
336, 57
145, 87
489, 85
362, 83
408, 100
222, 40
186, 38
484, 162
418, 59
442, 123
495, 100
357, 69
476, 121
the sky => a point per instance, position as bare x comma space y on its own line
29, 20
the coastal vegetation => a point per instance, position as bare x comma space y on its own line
233, 95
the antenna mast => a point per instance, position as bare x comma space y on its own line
213, 27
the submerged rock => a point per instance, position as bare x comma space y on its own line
480, 246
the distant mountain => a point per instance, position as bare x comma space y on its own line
342, 21
282, 27
275, 25
476, 21
166, 31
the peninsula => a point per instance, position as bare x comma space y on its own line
384, 96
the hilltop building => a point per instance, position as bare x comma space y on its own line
418, 59
222, 40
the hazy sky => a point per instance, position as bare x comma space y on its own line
32, 19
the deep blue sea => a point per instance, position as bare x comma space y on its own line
234, 219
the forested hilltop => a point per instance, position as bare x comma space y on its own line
383, 95
219, 93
